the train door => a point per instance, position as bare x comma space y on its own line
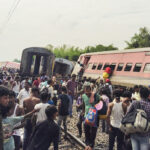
86, 60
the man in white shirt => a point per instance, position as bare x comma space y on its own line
24, 93
16, 86
41, 116
23, 82
50, 88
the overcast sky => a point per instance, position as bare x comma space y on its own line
72, 22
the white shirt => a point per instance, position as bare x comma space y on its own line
16, 88
23, 94
41, 116
50, 91
23, 83
116, 115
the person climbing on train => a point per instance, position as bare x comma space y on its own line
63, 110
89, 100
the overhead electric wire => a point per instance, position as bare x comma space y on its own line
11, 12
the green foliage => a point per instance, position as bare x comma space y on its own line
16, 60
142, 39
72, 53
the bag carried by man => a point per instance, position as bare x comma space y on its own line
135, 121
91, 117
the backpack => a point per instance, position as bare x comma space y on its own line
91, 117
135, 121
102, 113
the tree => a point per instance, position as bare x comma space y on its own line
72, 53
16, 60
139, 40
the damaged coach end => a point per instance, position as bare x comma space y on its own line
63, 67
36, 61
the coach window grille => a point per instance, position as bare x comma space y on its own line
128, 67
105, 66
94, 66
147, 68
120, 67
99, 67
113, 66
137, 67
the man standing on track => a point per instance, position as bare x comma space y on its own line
63, 109
24, 93
116, 111
72, 87
29, 105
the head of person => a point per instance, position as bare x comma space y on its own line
88, 90
17, 79
103, 91
127, 97
26, 79
136, 88
44, 97
12, 98
50, 82
35, 91
101, 81
8, 78
88, 79
64, 89
107, 81
73, 77
144, 93
51, 112
117, 94
1, 82
27, 85
4, 96
4, 101
84, 78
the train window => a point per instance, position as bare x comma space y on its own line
94, 66
147, 68
128, 67
120, 67
105, 66
112, 66
99, 67
137, 67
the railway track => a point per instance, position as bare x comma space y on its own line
70, 143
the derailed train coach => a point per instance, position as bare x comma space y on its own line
36, 61
63, 67
129, 67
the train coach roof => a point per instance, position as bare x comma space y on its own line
39, 50
147, 49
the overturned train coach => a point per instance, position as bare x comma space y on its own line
36, 61
63, 67
129, 67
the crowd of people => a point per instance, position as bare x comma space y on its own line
37, 106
